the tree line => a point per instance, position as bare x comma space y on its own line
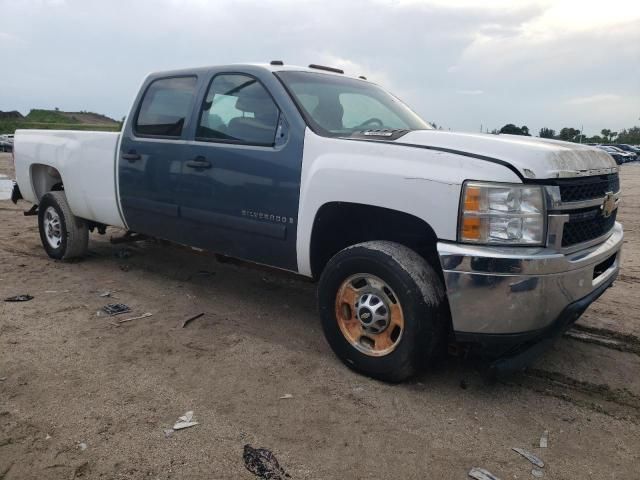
570, 134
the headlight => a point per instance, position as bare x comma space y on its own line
494, 213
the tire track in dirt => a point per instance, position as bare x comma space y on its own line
618, 403
604, 337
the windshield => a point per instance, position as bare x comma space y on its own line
339, 106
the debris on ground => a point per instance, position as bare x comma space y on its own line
144, 315
190, 319
205, 273
81, 470
263, 463
185, 421
82, 446
105, 294
19, 298
122, 253
286, 396
529, 456
536, 472
544, 439
168, 432
116, 308
2, 379
481, 474
57, 291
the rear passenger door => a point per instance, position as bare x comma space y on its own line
152, 154
240, 187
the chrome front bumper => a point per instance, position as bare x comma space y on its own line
508, 290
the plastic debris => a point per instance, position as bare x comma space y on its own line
190, 319
185, 421
286, 396
19, 298
529, 456
536, 472
544, 439
481, 474
144, 315
82, 446
105, 294
48, 437
116, 308
263, 463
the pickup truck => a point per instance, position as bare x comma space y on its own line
419, 239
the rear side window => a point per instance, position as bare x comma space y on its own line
165, 107
238, 109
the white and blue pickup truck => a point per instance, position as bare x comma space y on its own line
418, 238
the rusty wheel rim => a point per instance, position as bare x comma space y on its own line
369, 315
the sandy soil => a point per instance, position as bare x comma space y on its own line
69, 377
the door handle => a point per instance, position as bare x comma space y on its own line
132, 156
199, 163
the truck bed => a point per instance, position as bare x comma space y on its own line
86, 163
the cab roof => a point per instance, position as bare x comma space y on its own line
274, 66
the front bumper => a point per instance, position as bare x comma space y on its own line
513, 293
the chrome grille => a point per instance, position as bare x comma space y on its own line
576, 210
576, 190
585, 226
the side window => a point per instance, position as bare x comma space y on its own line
165, 107
238, 109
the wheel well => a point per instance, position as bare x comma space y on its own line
45, 179
338, 225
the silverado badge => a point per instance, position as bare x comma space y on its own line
609, 205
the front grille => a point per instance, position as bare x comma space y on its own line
576, 190
586, 225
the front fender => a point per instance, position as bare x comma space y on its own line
422, 183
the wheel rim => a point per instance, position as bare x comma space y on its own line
52, 227
369, 315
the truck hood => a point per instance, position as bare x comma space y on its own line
533, 158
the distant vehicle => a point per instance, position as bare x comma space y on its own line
6, 143
618, 155
417, 237
629, 149
630, 156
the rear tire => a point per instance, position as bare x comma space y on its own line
383, 309
63, 235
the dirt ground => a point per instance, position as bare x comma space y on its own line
80, 397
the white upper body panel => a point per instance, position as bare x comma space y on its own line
535, 158
420, 182
86, 162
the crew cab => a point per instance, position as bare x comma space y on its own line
418, 238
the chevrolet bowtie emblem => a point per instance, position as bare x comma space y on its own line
609, 205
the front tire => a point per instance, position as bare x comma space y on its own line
383, 310
63, 235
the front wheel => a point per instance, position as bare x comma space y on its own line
63, 235
382, 308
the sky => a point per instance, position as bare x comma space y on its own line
462, 64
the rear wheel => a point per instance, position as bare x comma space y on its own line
382, 308
63, 235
